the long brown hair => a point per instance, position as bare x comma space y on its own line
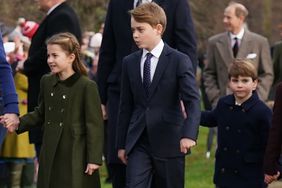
69, 44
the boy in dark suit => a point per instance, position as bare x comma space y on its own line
243, 123
153, 136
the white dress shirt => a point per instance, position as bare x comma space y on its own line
239, 37
143, 1
156, 52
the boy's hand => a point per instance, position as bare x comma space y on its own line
122, 155
90, 169
268, 178
186, 144
104, 112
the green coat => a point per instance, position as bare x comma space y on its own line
69, 112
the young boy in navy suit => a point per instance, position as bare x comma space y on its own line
243, 122
153, 135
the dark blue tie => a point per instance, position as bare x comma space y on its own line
147, 73
235, 47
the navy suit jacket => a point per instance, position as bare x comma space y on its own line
161, 113
61, 19
118, 42
7, 85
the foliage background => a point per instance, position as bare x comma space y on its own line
264, 15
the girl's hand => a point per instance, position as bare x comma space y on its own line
90, 169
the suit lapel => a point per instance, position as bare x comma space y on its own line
224, 47
244, 46
162, 63
137, 71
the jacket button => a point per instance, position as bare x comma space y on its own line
222, 170
235, 171
231, 107
227, 128
52, 94
225, 149
62, 110
64, 96
237, 151
48, 123
243, 110
61, 124
49, 108
239, 131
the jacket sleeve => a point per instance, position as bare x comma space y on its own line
274, 144
107, 55
125, 107
94, 124
265, 70
184, 32
190, 96
210, 75
35, 118
8, 90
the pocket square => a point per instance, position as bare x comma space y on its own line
251, 56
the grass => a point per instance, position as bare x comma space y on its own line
199, 170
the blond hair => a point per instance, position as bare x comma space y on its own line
150, 13
242, 67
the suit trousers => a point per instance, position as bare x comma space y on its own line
144, 170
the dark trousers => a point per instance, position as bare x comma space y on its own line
147, 171
118, 175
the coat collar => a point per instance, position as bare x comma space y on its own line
230, 101
68, 82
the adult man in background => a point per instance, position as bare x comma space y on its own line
117, 43
60, 17
236, 42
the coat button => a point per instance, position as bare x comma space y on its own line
61, 124
49, 108
225, 149
48, 123
243, 110
52, 94
62, 110
227, 128
222, 170
231, 107
239, 130
237, 151
64, 96
235, 171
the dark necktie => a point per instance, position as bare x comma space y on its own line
235, 47
139, 2
147, 73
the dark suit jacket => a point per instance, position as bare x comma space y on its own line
160, 113
61, 19
7, 90
242, 136
118, 42
274, 144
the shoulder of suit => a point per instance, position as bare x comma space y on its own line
255, 36
217, 37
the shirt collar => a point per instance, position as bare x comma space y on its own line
156, 52
239, 35
53, 7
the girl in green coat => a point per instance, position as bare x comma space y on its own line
70, 115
